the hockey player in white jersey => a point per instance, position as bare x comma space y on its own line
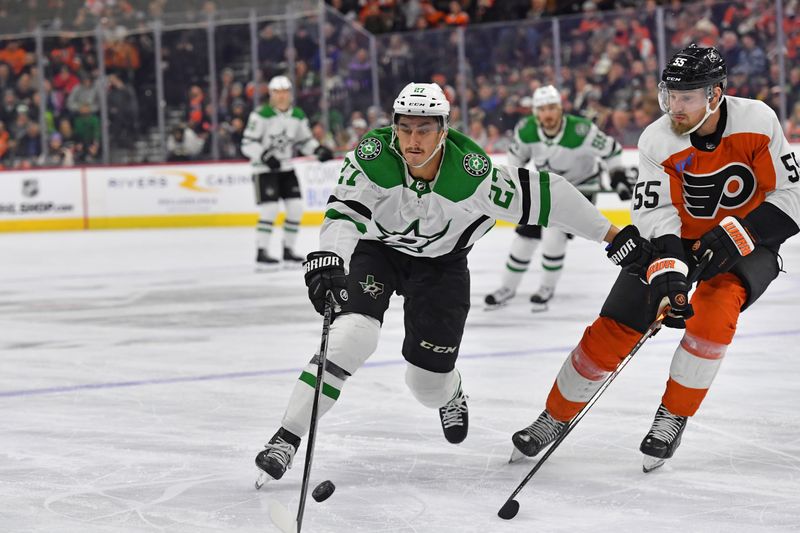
410, 202
574, 148
717, 177
273, 134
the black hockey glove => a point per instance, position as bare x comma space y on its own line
325, 272
270, 160
728, 242
623, 181
669, 286
631, 251
323, 153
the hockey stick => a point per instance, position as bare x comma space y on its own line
278, 513
511, 507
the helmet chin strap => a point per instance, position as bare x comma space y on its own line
439, 146
709, 112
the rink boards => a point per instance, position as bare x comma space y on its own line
172, 195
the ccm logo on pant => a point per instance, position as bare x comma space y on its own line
437, 349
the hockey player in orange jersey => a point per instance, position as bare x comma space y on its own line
717, 176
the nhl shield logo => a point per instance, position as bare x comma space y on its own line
368, 149
30, 188
476, 164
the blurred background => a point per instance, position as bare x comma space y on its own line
88, 82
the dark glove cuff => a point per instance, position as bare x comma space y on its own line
670, 246
769, 225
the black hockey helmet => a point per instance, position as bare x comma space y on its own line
694, 68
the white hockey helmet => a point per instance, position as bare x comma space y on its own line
546, 95
280, 83
422, 99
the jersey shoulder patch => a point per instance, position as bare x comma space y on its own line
575, 131
464, 167
266, 111
528, 130
381, 165
298, 113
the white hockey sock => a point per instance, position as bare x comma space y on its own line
266, 218
696, 362
352, 339
432, 389
519, 258
294, 211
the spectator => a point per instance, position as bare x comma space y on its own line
457, 16
15, 56
496, 142
84, 94
183, 144
752, 59
87, 126
196, 115
793, 125
8, 109
29, 144
64, 81
5, 142
477, 132
58, 155
6, 79
358, 127
65, 54
323, 137
123, 112
271, 49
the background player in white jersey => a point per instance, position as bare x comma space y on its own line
572, 147
273, 134
411, 200
717, 176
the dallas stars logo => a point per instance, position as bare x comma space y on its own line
368, 149
279, 141
410, 238
371, 287
476, 164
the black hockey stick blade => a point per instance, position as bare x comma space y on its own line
509, 509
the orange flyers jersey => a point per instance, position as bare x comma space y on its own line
686, 190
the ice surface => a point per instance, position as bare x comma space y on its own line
141, 372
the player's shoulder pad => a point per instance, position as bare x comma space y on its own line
528, 130
382, 165
298, 113
464, 167
576, 130
266, 111
658, 141
746, 115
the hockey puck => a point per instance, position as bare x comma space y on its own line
323, 491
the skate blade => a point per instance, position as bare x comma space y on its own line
516, 456
495, 307
282, 518
262, 479
651, 463
539, 308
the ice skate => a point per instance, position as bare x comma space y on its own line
540, 298
531, 440
663, 439
265, 263
290, 260
276, 458
498, 298
455, 418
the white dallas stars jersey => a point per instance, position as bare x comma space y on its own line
377, 199
279, 132
687, 183
575, 152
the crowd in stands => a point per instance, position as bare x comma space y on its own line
609, 70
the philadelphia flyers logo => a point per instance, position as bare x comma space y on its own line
727, 188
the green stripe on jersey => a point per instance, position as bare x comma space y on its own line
328, 390
333, 214
544, 198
